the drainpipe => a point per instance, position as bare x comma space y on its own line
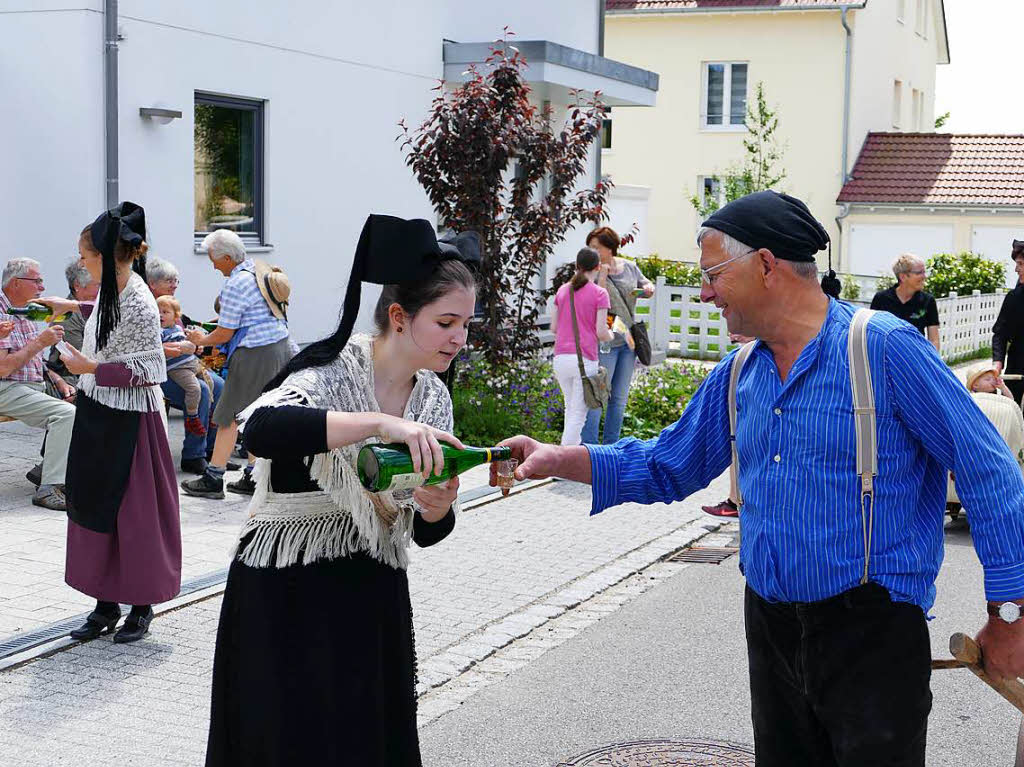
844, 210
600, 52
110, 99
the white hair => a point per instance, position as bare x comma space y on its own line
76, 275
158, 270
732, 247
18, 267
905, 263
224, 242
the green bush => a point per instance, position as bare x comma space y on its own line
963, 272
675, 272
851, 288
491, 406
658, 396
884, 282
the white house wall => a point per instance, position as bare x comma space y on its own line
336, 78
994, 243
874, 247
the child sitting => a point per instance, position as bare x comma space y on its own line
185, 370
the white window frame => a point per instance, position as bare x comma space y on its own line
897, 104
702, 180
606, 122
726, 126
901, 11
917, 108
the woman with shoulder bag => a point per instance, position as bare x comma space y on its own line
579, 321
623, 279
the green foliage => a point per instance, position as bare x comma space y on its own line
851, 288
963, 272
658, 396
675, 272
525, 399
884, 282
492, 402
984, 353
941, 120
759, 169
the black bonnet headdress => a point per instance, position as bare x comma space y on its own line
125, 223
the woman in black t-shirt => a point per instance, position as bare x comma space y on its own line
1008, 332
907, 300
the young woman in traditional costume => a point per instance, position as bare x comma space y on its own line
124, 535
315, 660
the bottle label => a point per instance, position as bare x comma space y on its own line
405, 482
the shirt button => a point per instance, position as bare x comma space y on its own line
778, 411
778, 458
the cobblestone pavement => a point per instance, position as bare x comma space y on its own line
510, 566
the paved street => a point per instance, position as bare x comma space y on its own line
510, 566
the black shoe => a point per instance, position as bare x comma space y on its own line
193, 465
204, 487
244, 486
97, 623
135, 627
35, 475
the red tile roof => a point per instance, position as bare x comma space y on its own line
938, 169
712, 5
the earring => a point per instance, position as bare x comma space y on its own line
398, 329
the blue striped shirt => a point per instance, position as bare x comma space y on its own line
243, 306
802, 538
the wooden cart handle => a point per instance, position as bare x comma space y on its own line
967, 652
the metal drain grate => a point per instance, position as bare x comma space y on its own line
708, 555
666, 753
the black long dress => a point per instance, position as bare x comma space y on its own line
1008, 338
315, 664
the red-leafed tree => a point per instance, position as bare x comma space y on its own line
492, 162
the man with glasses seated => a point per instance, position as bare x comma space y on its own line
907, 300
22, 394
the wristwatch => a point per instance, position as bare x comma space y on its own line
1009, 612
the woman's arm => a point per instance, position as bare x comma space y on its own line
604, 333
216, 337
933, 335
554, 318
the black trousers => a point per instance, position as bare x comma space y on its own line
842, 682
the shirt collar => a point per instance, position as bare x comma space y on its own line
244, 266
810, 353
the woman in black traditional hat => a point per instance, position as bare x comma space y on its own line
315, 660
124, 535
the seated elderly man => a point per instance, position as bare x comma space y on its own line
996, 401
258, 348
81, 287
196, 450
21, 379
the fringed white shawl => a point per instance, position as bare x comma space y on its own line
287, 528
136, 343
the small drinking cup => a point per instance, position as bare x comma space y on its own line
506, 473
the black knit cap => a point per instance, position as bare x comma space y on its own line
124, 223
394, 250
780, 223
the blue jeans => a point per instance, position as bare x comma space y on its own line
194, 445
619, 362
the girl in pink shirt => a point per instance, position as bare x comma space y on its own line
592, 318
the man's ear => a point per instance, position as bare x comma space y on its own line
769, 263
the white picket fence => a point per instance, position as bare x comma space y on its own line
681, 326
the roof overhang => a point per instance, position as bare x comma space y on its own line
553, 71
931, 207
735, 9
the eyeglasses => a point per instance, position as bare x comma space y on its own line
37, 280
917, 271
707, 276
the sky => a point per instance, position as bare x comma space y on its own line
982, 87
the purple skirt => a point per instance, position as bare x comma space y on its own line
140, 562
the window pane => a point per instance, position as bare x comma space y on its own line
606, 130
738, 97
225, 168
715, 97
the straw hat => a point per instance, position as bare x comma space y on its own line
976, 371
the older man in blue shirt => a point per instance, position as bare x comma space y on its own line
839, 668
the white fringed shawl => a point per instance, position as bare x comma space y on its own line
287, 528
136, 343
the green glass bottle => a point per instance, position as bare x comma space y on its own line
389, 467
209, 327
36, 313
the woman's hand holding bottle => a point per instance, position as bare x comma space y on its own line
436, 499
422, 441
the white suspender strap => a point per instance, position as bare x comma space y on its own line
734, 378
864, 420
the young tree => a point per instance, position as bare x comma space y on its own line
759, 169
492, 162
